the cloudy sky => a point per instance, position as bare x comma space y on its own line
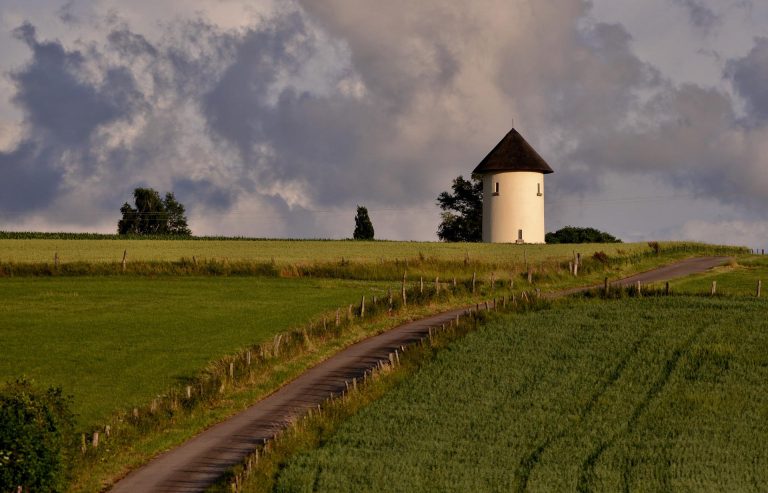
275, 118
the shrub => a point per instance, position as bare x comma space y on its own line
654, 245
601, 257
571, 234
36, 437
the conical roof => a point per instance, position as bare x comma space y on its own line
513, 153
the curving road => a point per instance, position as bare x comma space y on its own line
197, 463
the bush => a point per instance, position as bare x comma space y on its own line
570, 234
36, 438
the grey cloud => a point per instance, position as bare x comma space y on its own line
749, 76
55, 101
701, 16
30, 178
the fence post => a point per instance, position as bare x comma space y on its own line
605, 285
474, 278
349, 312
56, 260
454, 281
666, 289
362, 307
437, 284
405, 303
338, 317
95, 439
421, 285
576, 269
714, 288
125, 254
639, 292
759, 288
530, 277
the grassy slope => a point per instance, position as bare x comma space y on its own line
639, 394
117, 342
737, 279
284, 251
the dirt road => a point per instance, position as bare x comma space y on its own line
196, 464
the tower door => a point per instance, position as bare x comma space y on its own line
520, 235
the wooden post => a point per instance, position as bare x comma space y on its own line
454, 281
714, 288
136, 412
538, 293
605, 285
666, 289
362, 307
511, 282
248, 358
189, 391
338, 317
95, 439
530, 277
389, 295
576, 269
421, 285
405, 303
570, 268
437, 284
349, 312
639, 292
194, 260
474, 278
759, 288
578, 259
232, 370
107, 431
56, 260
125, 255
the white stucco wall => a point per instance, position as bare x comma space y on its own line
516, 207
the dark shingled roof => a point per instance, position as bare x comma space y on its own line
513, 153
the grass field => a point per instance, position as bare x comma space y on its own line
738, 279
117, 342
286, 251
650, 394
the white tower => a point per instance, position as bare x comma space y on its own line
513, 192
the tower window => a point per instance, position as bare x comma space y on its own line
496, 189
538, 190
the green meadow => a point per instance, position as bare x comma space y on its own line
739, 278
117, 342
638, 394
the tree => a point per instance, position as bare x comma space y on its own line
363, 225
36, 438
571, 234
153, 215
462, 219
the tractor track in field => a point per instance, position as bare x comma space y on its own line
199, 462
587, 471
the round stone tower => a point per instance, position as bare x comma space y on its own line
513, 192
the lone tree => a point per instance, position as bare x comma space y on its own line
571, 234
363, 225
153, 215
462, 219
